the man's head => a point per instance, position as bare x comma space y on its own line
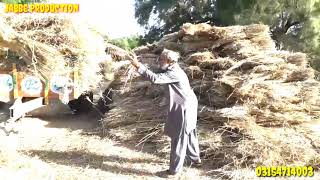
167, 58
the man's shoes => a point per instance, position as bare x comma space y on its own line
166, 173
171, 173
196, 164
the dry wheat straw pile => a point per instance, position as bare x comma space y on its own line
51, 44
257, 104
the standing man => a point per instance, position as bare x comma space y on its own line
182, 111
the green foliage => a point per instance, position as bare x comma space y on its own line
127, 43
171, 14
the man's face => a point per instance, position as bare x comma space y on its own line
163, 63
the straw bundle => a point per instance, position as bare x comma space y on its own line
197, 58
217, 64
53, 45
194, 72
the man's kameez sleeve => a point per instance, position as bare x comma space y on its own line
158, 78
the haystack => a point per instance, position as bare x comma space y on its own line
253, 98
52, 44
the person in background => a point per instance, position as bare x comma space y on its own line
182, 110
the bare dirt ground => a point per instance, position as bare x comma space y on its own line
54, 144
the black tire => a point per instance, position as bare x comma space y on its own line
81, 104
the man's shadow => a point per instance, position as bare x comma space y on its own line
85, 159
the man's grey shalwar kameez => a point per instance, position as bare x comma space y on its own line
182, 114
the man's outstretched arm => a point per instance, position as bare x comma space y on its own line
157, 78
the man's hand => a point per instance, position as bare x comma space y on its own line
134, 60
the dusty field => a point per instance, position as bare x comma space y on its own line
58, 145
54, 144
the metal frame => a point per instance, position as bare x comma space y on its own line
20, 108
